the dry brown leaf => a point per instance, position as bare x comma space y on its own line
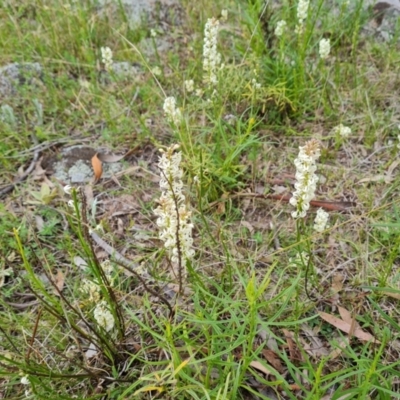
392, 167
346, 327
315, 347
59, 281
97, 168
294, 352
110, 158
273, 359
247, 225
346, 317
337, 282
258, 366
338, 350
88, 191
394, 295
375, 178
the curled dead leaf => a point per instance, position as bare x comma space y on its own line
97, 167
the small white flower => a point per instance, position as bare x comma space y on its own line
199, 93
255, 84
189, 85
324, 48
107, 57
300, 259
67, 189
71, 203
109, 271
172, 113
25, 380
103, 316
321, 220
91, 289
156, 71
3, 273
306, 179
280, 28
341, 130
153, 33
224, 15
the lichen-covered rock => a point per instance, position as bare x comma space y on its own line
15, 75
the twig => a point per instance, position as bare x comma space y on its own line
129, 266
119, 258
33, 336
328, 205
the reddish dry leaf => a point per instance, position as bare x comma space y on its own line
346, 327
97, 168
294, 353
273, 359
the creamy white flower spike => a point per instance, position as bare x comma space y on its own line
174, 219
341, 130
211, 57
321, 220
324, 48
280, 28
306, 179
302, 10
302, 13
106, 58
172, 113
103, 316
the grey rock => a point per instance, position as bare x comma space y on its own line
125, 69
75, 166
15, 75
155, 13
